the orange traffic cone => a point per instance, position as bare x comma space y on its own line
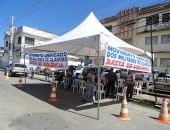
163, 115
7, 76
53, 93
124, 111
169, 106
20, 83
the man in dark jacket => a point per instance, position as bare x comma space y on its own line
111, 80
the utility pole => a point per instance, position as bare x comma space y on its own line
10, 52
153, 75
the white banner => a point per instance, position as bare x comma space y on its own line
58, 60
115, 57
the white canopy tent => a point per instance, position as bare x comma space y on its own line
84, 40
87, 39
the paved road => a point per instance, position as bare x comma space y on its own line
27, 108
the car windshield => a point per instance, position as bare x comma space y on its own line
79, 68
107, 71
20, 65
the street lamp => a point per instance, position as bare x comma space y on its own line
24, 63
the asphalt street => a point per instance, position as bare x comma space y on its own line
28, 108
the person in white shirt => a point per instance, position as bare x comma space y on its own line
90, 86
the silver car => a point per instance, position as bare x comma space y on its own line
17, 68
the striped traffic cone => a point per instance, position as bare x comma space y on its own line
163, 116
7, 76
53, 93
124, 111
20, 83
169, 106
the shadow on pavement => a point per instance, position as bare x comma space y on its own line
66, 99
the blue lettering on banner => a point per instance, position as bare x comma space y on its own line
117, 55
52, 59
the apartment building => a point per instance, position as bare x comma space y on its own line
155, 20
23, 36
135, 26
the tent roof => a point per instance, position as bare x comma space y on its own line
83, 41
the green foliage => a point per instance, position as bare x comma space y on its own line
146, 102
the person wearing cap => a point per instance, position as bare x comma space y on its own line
90, 86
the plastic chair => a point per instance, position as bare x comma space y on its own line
148, 86
66, 82
75, 85
82, 87
118, 95
138, 87
101, 91
120, 84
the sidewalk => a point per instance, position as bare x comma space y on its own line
29, 109
136, 98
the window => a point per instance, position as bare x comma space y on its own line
154, 40
165, 62
29, 41
155, 62
19, 40
165, 17
153, 19
20, 65
6, 44
109, 27
165, 39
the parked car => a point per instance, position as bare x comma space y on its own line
79, 70
122, 75
162, 76
17, 68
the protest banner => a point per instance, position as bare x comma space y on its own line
115, 57
58, 60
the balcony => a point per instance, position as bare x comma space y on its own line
155, 27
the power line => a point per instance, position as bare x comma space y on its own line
149, 4
135, 28
127, 15
35, 3
154, 20
108, 10
140, 18
37, 9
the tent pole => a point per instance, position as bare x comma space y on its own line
98, 54
65, 72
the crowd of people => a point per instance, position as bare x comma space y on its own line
108, 80
111, 79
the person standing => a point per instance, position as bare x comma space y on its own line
47, 71
32, 73
90, 86
130, 82
71, 69
111, 80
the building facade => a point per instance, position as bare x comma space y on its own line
155, 20
135, 26
23, 36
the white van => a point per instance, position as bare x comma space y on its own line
79, 70
123, 74
106, 71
